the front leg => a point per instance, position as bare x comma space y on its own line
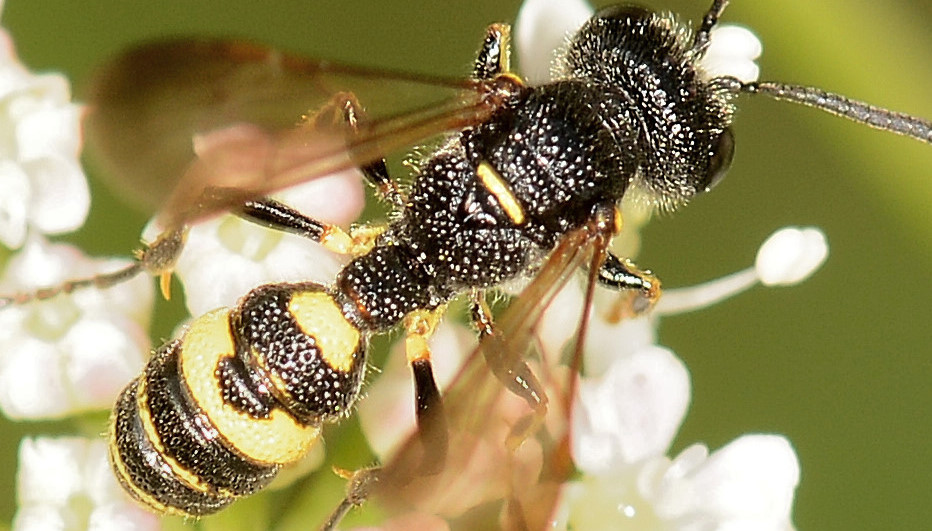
344, 109
642, 288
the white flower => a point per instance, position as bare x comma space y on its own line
631, 412
790, 255
634, 397
543, 26
74, 352
43, 185
623, 425
746, 485
66, 484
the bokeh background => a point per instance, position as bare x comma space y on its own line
841, 364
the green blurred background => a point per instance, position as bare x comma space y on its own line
840, 365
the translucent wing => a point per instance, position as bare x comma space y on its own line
216, 122
504, 467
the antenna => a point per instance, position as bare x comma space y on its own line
857, 111
701, 42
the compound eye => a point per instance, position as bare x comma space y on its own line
624, 11
723, 150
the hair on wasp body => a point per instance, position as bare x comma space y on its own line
528, 181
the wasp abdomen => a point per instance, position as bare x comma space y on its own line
298, 337
143, 470
244, 391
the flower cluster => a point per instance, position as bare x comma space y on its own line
66, 483
44, 189
631, 400
634, 397
73, 353
69, 354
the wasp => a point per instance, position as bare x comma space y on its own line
526, 182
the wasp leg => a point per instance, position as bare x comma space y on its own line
515, 375
344, 109
157, 258
278, 216
431, 419
358, 489
643, 288
494, 55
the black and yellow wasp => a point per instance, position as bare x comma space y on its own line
526, 182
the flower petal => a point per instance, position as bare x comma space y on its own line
748, 484
47, 122
102, 354
791, 255
49, 470
72, 352
631, 413
608, 342
338, 198
32, 385
753, 476
122, 516
41, 518
227, 257
61, 198
542, 27
13, 204
732, 52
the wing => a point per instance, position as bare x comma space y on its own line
185, 119
505, 467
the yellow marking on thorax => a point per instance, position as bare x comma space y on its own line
320, 317
496, 185
278, 439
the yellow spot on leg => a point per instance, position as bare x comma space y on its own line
336, 239
420, 325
